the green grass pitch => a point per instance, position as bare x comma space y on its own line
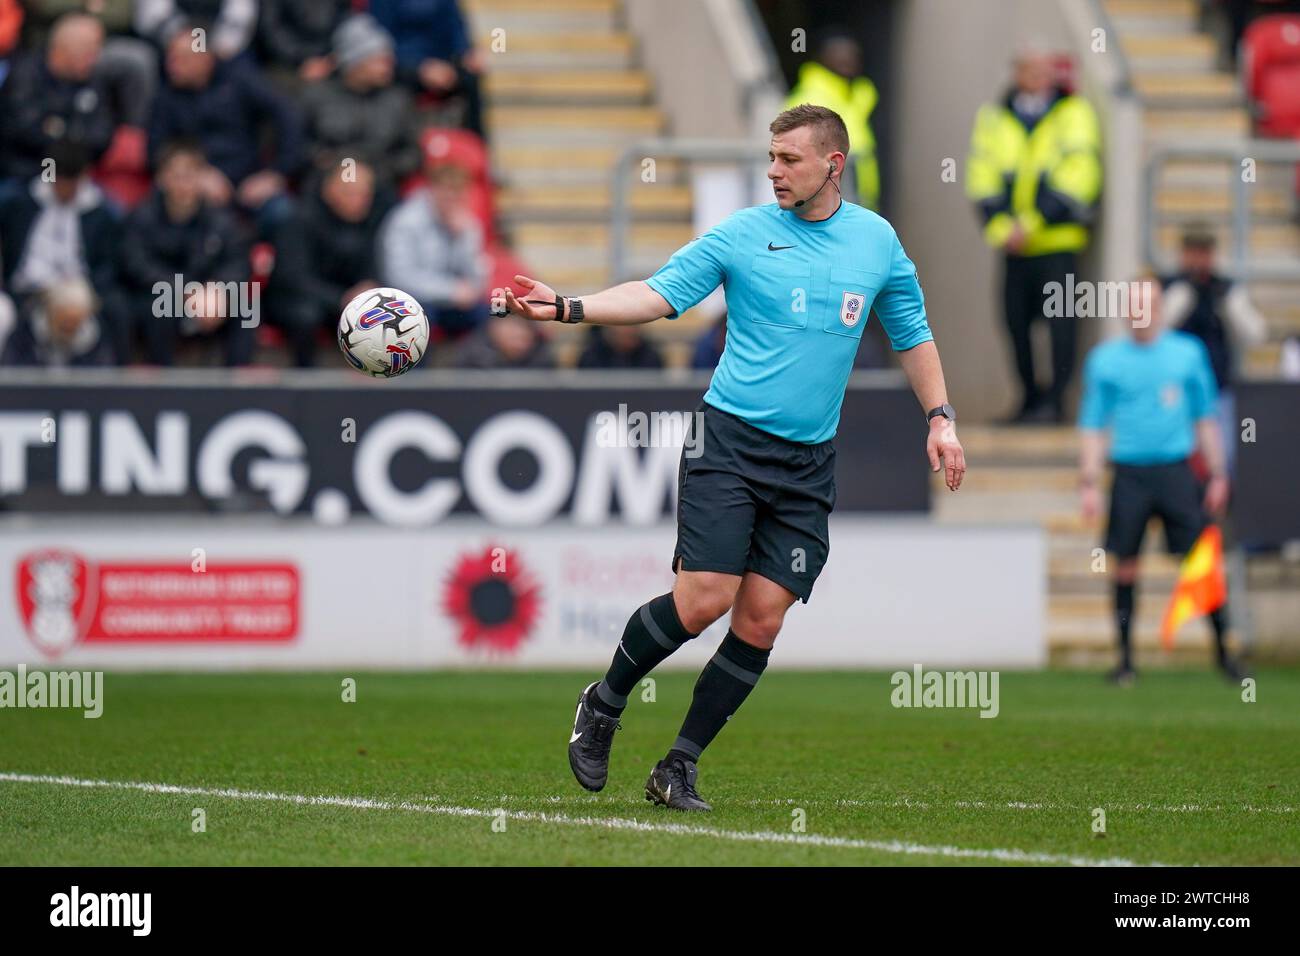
419, 766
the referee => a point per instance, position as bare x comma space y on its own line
1154, 392
801, 275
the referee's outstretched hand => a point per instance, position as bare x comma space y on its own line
942, 445
537, 304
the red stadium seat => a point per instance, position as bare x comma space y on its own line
458, 146
503, 266
440, 145
1271, 73
123, 171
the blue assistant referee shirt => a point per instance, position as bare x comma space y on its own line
798, 294
1150, 395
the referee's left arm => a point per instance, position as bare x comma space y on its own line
901, 308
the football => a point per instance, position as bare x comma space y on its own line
383, 332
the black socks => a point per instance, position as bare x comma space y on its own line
652, 633
1124, 618
722, 687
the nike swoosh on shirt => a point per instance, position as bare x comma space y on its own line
772, 248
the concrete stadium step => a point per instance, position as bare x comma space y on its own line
610, 126
562, 165
1276, 293
1282, 322
1169, 52
570, 87
1153, 16
553, 260
548, 247
1074, 568
1000, 479
1278, 239
562, 50
1199, 124
657, 201
991, 507
1080, 612
658, 235
1263, 361
1199, 202
1093, 650
1000, 444
1195, 640
518, 16
1188, 89
1222, 173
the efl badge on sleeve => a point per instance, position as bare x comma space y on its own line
851, 308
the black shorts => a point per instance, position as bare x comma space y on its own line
1140, 491
752, 501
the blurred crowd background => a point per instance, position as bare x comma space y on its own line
304, 150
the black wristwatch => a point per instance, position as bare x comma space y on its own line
945, 410
574, 310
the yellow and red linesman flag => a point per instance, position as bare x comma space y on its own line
1201, 587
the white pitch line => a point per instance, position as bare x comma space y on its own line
910, 804
610, 823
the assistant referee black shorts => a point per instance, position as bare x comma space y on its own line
752, 501
1140, 491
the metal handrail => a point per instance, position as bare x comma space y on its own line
1239, 265
1123, 85
745, 152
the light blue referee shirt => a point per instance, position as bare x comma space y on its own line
798, 294
1150, 395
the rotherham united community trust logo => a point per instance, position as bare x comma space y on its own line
493, 598
55, 598
65, 600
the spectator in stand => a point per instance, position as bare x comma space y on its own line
325, 255
62, 330
358, 111
224, 104
55, 97
708, 347
435, 53
127, 65
431, 246
54, 232
1035, 174
11, 30
618, 346
504, 342
227, 25
177, 237
295, 36
1218, 311
834, 79
8, 313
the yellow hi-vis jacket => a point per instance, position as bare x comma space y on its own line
854, 100
1047, 178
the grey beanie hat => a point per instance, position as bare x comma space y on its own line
359, 37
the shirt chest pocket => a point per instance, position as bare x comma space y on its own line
848, 300
780, 287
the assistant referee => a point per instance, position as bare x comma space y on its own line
1150, 396
801, 275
